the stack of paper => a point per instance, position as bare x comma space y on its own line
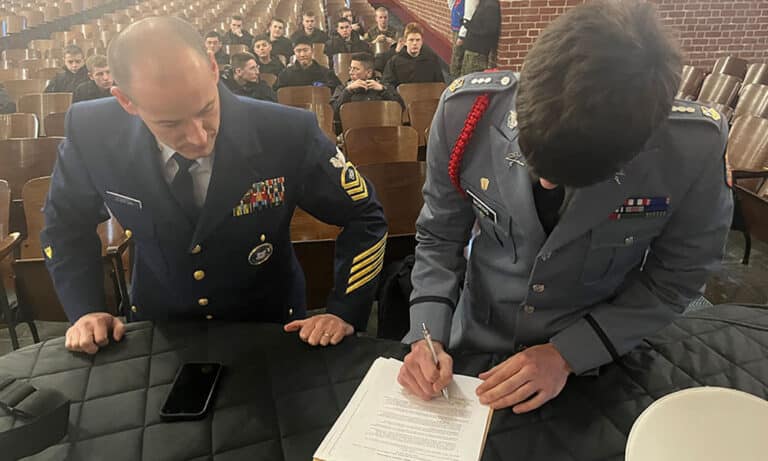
384, 422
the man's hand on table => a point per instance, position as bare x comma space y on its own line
525, 381
419, 374
91, 331
323, 329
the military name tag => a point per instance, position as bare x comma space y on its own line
260, 254
124, 199
482, 207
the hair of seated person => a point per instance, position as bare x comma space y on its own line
239, 60
73, 50
95, 61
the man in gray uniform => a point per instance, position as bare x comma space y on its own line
601, 206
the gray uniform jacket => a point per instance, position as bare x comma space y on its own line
607, 276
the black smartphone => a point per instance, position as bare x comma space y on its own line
192, 391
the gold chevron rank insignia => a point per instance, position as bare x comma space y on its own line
367, 265
353, 183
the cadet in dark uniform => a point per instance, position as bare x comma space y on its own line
207, 199
414, 63
100, 80
601, 204
242, 78
236, 35
73, 74
281, 45
344, 41
309, 31
306, 71
362, 85
213, 45
268, 63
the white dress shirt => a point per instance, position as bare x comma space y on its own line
200, 171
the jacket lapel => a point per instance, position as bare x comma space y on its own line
234, 167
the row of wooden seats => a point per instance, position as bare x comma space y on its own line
27, 125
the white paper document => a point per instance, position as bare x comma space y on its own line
382, 422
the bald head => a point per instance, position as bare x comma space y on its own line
151, 47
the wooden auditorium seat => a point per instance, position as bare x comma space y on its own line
14, 73
20, 54
18, 126
731, 65
324, 114
314, 244
419, 91
24, 159
43, 45
233, 49
690, 83
358, 114
341, 63
45, 73
268, 78
294, 95
720, 89
421, 113
381, 144
18, 88
757, 73
747, 150
54, 124
398, 186
13, 24
753, 100
42, 104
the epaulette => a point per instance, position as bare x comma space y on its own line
482, 82
695, 111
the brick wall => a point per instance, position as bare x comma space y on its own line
706, 29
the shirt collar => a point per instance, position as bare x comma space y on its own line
166, 153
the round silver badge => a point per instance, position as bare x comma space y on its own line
260, 254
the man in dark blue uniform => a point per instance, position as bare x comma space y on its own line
207, 183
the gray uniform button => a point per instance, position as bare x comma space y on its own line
290, 311
629, 240
528, 309
545, 256
538, 288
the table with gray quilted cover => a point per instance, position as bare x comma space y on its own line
278, 397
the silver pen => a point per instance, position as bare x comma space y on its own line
428, 339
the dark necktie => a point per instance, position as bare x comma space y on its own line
182, 187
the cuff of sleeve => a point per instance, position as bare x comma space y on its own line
462, 32
437, 317
581, 346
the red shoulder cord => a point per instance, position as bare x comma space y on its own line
457, 153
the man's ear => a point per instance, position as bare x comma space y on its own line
124, 100
214, 65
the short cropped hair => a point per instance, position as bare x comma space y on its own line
73, 50
302, 40
275, 19
381, 9
239, 60
366, 59
213, 34
595, 85
95, 61
412, 28
236, 17
308, 14
340, 20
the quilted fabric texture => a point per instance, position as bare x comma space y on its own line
278, 397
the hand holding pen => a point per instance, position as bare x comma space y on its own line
426, 373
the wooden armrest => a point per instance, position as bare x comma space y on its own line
748, 174
120, 248
9, 244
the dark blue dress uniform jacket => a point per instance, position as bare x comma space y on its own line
210, 269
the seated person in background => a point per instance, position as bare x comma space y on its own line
7, 106
414, 63
569, 271
242, 78
382, 32
357, 30
344, 42
74, 72
236, 35
281, 45
213, 45
100, 80
362, 85
268, 63
308, 30
306, 71
207, 197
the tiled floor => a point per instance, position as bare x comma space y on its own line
736, 283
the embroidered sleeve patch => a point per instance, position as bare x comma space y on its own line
48, 252
367, 265
269, 193
353, 183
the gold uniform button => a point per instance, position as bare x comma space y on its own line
538, 288
529, 309
209, 317
199, 275
202, 301
290, 311
134, 309
128, 233
197, 249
